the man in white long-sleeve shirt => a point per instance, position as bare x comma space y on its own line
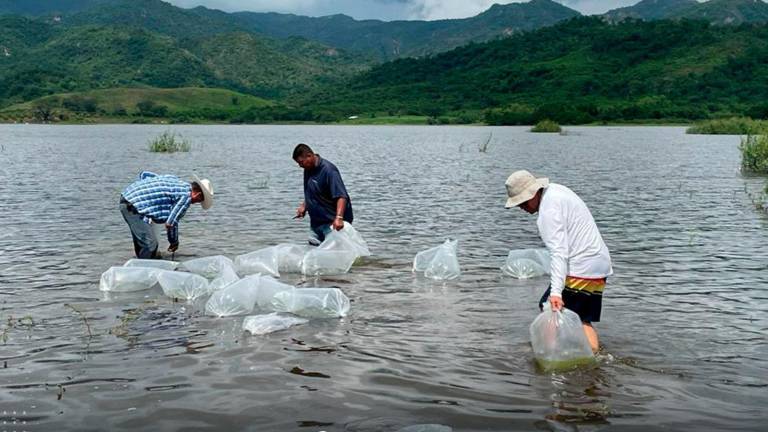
580, 260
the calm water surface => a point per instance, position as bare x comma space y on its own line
684, 320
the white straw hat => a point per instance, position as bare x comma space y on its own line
522, 186
207, 188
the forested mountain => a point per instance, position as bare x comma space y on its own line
721, 12
48, 7
377, 39
651, 10
580, 71
388, 40
37, 58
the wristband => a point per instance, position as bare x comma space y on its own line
339, 217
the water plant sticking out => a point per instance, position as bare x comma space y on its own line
169, 142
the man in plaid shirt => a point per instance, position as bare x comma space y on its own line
162, 199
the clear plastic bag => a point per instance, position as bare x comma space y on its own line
263, 261
227, 277
323, 262
127, 279
348, 239
208, 267
182, 285
527, 263
268, 287
439, 262
312, 302
152, 263
558, 340
238, 298
290, 257
270, 323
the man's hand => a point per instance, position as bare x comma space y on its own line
301, 211
338, 224
173, 248
556, 302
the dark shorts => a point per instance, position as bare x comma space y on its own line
587, 305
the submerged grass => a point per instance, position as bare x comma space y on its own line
547, 126
169, 142
754, 154
728, 126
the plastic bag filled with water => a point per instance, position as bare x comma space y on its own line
527, 263
227, 277
347, 239
312, 302
263, 261
238, 298
152, 263
268, 287
290, 257
183, 285
559, 341
127, 279
270, 323
323, 262
208, 267
439, 262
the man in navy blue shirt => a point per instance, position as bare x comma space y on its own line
325, 196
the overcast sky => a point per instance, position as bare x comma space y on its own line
388, 9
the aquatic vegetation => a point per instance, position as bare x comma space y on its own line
728, 126
754, 154
169, 142
547, 126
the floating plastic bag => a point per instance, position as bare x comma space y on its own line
347, 239
182, 285
208, 267
321, 262
268, 287
238, 298
263, 261
126, 279
270, 323
527, 263
152, 263
439, 262
290, 257
227, 277
312, 302
558, 340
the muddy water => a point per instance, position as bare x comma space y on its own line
684, 321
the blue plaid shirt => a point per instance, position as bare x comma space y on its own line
160, 199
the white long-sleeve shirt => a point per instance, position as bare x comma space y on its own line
569, 231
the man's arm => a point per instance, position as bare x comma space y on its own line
553, 233
338, 221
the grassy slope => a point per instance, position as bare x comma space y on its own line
180, 99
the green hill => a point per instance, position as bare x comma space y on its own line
37, 59
580, 71
389, 40
48, 7
727, 12
721, 12
175, 100
650, 10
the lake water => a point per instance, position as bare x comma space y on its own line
684, 318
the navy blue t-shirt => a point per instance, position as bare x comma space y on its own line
322, 187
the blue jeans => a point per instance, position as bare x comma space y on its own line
144, 240
318, 234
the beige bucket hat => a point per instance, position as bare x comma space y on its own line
207, 188
522, 186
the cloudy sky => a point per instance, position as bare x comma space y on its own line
388, 9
